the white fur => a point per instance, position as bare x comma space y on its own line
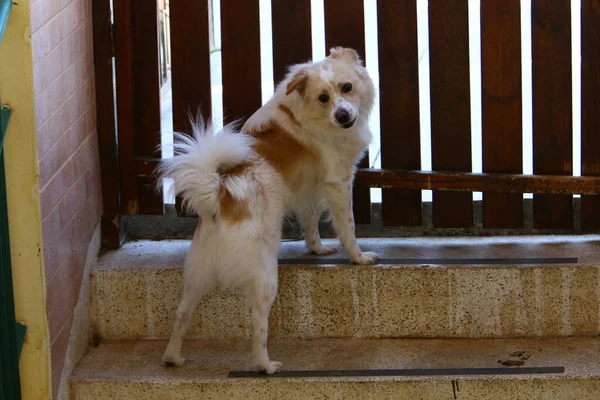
195, 169
244, 253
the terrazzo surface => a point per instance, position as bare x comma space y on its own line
130, 369
586, 248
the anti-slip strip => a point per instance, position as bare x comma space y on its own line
400, 372
435, 261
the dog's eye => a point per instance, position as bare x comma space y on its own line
347, 87
323, 98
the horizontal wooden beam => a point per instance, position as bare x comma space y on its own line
454, 181
476, 182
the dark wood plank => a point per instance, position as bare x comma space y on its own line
190, 61
240, 37
460, 181
552, 107
190, 65
146, 77
590, 107
399, 106
450, 106
292, 41
478, 182
126, 105
111, 232
345, 26
501, 107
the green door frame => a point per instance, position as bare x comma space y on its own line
10, 385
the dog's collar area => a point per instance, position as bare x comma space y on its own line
289, 114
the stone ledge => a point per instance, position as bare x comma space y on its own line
136, 290
132, 370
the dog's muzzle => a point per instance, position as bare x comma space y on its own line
343, 118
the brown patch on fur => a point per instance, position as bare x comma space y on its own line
238, 170
289, 113
281, 150
298, 83
232, 209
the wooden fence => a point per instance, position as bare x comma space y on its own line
129, 156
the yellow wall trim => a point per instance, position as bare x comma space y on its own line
16, 89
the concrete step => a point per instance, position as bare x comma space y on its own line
132, 370
441, 287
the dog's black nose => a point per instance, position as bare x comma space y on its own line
342, 116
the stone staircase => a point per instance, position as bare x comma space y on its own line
454, 318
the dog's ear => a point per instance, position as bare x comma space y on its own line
298, 82
344, 53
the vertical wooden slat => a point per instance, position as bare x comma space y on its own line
240, 36
190, 64
345, 26
552, 108
111, 232
125, 89
146, 78
292, 43
138, 105
501, 107
399, 105
590, 107
190, 61
450, 106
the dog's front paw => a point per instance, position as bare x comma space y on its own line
272, 367
323, 250
366, 258
171, 361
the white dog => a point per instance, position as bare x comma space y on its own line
296, 154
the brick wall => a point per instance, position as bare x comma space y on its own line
69, 174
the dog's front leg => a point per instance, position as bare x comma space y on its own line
339, 197
310, 227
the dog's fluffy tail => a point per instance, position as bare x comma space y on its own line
198, 161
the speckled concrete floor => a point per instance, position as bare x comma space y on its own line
213, 359
136, 290
127, 369
539, 300
586, 248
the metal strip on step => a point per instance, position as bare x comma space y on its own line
399, 372
435, 261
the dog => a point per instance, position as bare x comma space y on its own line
296, 154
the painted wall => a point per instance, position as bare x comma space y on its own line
16, 89
67, 151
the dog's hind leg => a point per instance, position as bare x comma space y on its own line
262, 295
192, 294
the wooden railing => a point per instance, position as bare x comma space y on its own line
127, 178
